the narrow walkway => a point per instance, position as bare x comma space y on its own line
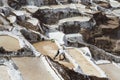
50, 48
32, 68
111, 70
3, 73
85, 65
9, 43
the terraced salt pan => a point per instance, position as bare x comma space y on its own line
33, 21
19, 13
74, 6
31, 8
3, 73
80, 7
78, 18
83, 10
22, 13
116, 12
85, 65
114, 3
9, 43
32, 68
111, 70
50, 48
22, 41
71, 19
58, 6
63, 6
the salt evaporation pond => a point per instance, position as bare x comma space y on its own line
85, 65
32, 68
9, 43
111, 70
50, 48
3, 73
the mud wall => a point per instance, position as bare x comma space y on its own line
17, 4
96, 52
52, 16
68, 74
41, 2
69, 27
19, 53
30, 36
28, 25
105, 34
75, 26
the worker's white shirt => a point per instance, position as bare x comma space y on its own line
61, 51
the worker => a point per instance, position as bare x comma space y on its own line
60, 53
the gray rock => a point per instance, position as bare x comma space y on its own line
30, 36
6, 11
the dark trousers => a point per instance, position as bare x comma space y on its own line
60, 55
56, 54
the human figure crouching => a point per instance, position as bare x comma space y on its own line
60, 53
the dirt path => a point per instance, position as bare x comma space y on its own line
3, 73
32, 69
50, 48
87, 68
9, 43
111, 70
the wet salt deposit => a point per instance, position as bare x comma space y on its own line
46, 47
3, 73
111, 70
32, 68
9, 43
85, 65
